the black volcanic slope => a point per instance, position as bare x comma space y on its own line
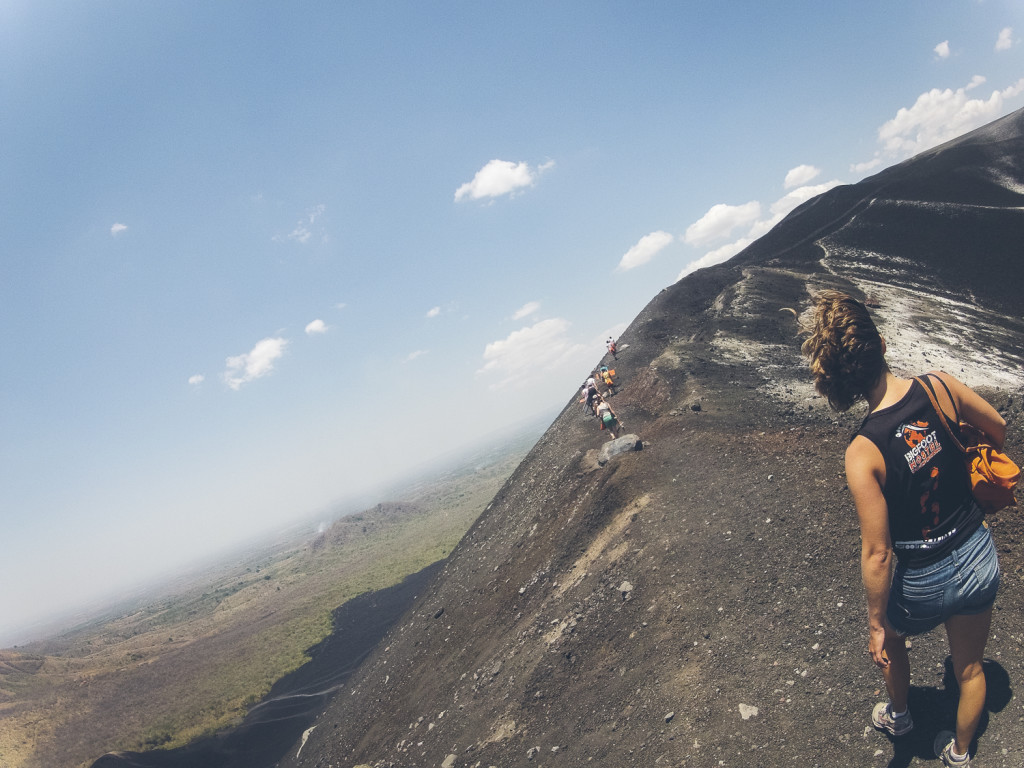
699, 602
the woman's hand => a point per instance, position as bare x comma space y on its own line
876, 646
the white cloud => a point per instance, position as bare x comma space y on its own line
784, 205
866, 166
196, 380
796, 197
719, 222
255, 364
433, 312
645, 250
117, 229
413, 355
1005, 40
527, 309
779, 209
531, 353
500, 177
940, 115
801, 175
716, 256
942, 49
340, 305
303, 231
317, 326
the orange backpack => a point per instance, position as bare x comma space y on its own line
993, 474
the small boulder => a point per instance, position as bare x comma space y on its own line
618, 446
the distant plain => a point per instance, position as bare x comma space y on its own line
167, 669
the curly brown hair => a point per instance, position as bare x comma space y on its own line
844, 349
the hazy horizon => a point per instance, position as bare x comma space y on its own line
168, 582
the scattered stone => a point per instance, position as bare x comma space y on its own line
625, 588
669, 716
747, 712
496, 669
695, 407
439, 613
532, 752
448, 762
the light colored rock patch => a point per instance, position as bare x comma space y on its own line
1006, 181
782, 382
735, 350
503, 730
600, 544
305, 738
928, 329
668, 359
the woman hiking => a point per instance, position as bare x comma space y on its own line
913, 498
607, 416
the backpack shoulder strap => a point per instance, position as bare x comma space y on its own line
956, 413
926, 384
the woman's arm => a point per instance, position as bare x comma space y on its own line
865, 474
975, 410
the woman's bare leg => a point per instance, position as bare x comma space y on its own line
967, 637
897, 674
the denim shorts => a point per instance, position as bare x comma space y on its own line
964, 582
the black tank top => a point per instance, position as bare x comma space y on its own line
927, 490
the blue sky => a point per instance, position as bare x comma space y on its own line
259, 257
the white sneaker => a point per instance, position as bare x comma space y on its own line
943, 747
882, 719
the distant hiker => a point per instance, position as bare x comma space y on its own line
914, 501
607, 416
589, 392
611, 347
608, 377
